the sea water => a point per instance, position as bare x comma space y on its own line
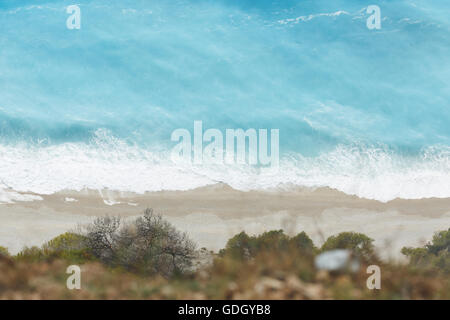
365, 111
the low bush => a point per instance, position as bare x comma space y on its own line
4, 251
243, 246
434, 255
359, 243
147, 245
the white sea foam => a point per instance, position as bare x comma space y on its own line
109, 163
312, 16
11, 196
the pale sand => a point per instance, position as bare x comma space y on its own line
213, 214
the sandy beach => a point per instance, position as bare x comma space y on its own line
212, 214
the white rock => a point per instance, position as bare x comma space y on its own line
337, 260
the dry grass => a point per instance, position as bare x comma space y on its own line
271, 275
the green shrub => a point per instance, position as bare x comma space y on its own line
303, 243
359, 243
239, 246
243, 246
4, 251
68, 246
434, 255
440, 242
31, 254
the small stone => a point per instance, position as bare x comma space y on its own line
294, 283
337, 260
322, 275
266, 284
314, 292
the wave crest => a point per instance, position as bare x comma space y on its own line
107, 162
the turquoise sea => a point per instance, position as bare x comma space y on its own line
364, 111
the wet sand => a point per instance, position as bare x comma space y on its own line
210, 215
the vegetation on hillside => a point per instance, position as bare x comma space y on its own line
4, 251
243, 246
149, 259
435, 255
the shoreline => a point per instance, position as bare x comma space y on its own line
212, 214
